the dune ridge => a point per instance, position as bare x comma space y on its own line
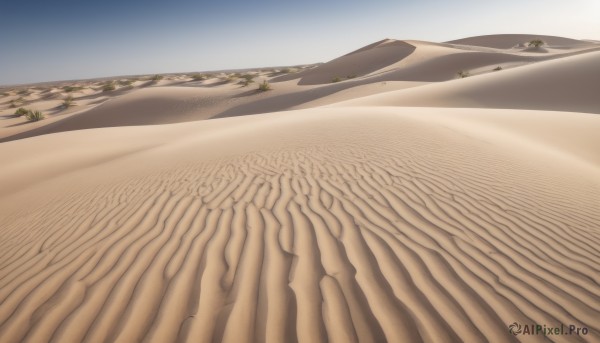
506, 41
392, 64
564, 84
392, 227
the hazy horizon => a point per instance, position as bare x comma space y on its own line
67, 40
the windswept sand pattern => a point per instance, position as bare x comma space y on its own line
395, 231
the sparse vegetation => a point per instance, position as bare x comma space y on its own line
351, 76
230, 78
277, 72
108, 87
68, 102
125, 83
336, 79
198, 77
536, 43
33, 115
247, 79
156, 78
70, 89
462, 74
498, 68
21, 112
264, 86
13, 104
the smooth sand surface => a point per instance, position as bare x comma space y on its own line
365, 220
507, 41
360, 62
567, 84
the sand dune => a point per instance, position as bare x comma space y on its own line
176, 99
156, 105
357, 63
507, 41
400, 205
398, 225
566, 84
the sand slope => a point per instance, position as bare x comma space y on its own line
342, 224
363, 61
565, 84
180, 98
367, 220
156, 105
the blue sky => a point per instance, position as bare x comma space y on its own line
67, 39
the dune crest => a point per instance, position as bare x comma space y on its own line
507, 41
358, 63
565, 84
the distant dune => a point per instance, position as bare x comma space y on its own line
507, 41
404, 204
566, 84
359, 63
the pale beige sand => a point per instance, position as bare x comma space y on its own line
177, 98
361, 62
507, 41
567, 84
367, 220
341, 224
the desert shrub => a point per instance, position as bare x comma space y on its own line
336, 79
109, 86
245, 82
125, 82
498, 68
70, 89
34, 115
248, 77
286, 70
198, 77
351, 76
264, 86
68, 102
230, 77
156, 78
462, 74
14, 102
21, 112
24, 92
536, 43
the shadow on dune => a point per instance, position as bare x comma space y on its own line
150, 107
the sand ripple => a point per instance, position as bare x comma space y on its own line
395, 230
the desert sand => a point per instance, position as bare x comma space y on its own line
377, 197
